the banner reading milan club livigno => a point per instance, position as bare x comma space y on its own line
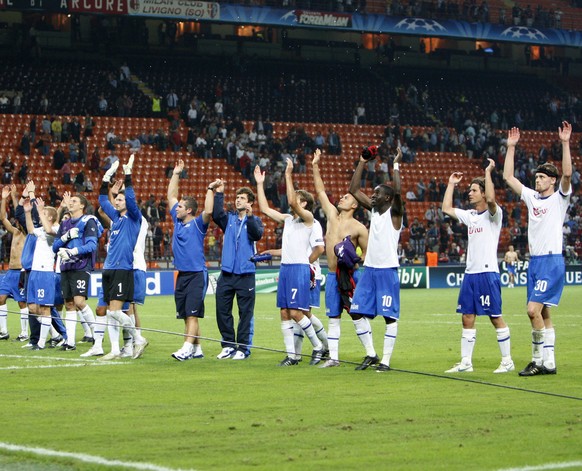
411, 277
300, 18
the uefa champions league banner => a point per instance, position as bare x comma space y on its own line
452, 276
162, 282
411, 277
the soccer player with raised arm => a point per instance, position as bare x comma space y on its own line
481, 287
343, 233
378, 289
118, 284
546, 210
10, 282
293, 288
76, 244
188, 248
241, 230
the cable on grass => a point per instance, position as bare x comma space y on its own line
346, 362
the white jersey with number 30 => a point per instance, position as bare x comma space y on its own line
545, 219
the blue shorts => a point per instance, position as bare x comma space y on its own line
377, 293
9, 285
41, 288
315, 295
333, 299
293, 287
511, 269
545, 279
59, 301
480, 294
139, 286
190, 293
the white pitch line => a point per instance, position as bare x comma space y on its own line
547, 466
42, 357
86, 458
61, 365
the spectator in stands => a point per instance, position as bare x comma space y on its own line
88, 126
7, 170
56, 128
417, 236
80, 182
66, 172
409, 253
23, 172
58, 158
4, 103
25, 143
410, 194
420, 190
433, 214
102, 105
334, 146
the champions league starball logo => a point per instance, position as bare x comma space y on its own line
523, 32
420, 24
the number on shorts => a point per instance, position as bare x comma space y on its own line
120, 287
541, 285
386, 301
485, 301
40, 293
293, 293
81, 284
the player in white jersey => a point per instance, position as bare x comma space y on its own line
41, 283
378, 289
294, 286
316, 248
545, 278
480, 293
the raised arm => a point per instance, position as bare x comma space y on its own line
361, 197
299, 210
447, 206
509, 167
219, 215
27, 207
46, 225
565, 132
130, 201
262, 198
64, 205
489, 188
173, 186
9, 227
209, 201
328, 208
397, 207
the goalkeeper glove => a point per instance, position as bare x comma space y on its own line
111, 171
129, 165
67, 254
70, 234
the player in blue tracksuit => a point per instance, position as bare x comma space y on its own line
118, 267
241, 232
188, 248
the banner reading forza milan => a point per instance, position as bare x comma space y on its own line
181, 9
318, 18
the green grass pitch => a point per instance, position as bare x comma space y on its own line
252, 415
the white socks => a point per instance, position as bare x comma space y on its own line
86, 315
298, 339
320, 331
45, 327
307, 327
288, 340
364, 332
333, 336
504, 342
113, 330
537, 345
548, 354
99, 330
71, 326
468, 339
24, 321
3, 319
389, 341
